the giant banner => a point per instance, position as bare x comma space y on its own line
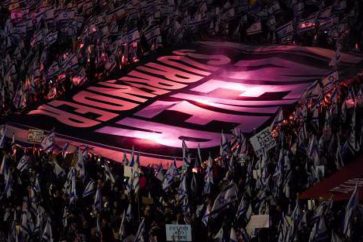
187, 94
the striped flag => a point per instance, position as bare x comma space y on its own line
224, 146
23, 163
186, 160
129, 214
121, 230
108, 173
208, 177
48, 141
80, 163
90, 189
3, 131
47, 234
170, 175
349, 209
255, 28
4, 167
97, 203
58, 170
140, 234
73, 191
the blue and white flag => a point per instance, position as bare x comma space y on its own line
255, 28
4, 167
285, 32
72, 185
8, 180
90, 189
108, 173
170, 175
23, 163
353, 141
183, 188
140, 234
224, 146
129, 214
242, 208
186, 158
225, 198
2, 136
349, 209
233, 236
121, 230
208, 177
47, 233
329, 81
58, 170
48, 141
97, 203
80, 163
50, 38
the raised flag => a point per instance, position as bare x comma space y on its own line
224, 146
23, 163
121, 230
58, 170
183, 186
4, 167
108, 173
47, 233
140, 234
233, 236
97, 203
285, 32
208, 177
90, 189
329, 81
170, 174
255, 28
72, 185
48, 141
129, 214
349, 209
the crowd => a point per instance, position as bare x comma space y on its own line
50, 47
59, 196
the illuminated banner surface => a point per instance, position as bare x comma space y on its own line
189, 94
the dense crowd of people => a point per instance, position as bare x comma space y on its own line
48, 195
50, 47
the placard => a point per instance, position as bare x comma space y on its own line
262, 141
127, 171
178, 232
147, 200
258, 222
35, 135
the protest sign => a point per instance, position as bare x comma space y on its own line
258, 222
35, 136
262, 141
178, 232
127, 171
